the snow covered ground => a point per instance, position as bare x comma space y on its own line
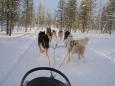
20, 53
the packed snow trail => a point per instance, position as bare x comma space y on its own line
95, 71
11, 50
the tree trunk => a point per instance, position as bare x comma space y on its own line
7, 27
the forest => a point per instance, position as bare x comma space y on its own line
21, 15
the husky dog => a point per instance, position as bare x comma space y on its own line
43, 42
75, 46
60, 34
49, 33
54, 33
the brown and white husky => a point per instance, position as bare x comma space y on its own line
75, 46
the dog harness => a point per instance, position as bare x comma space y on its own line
70, 42
73, 43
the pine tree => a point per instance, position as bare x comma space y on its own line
28, 14
1, 14
44, 17
70, 13
108, 17
10, 14
49, 19
41, 15
83, 16
60, 13
86, 13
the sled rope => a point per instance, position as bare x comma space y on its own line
49, 65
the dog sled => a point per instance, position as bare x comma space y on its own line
45, 81
50, 80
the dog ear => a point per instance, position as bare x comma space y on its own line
39, 33
44, 32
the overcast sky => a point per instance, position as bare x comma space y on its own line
52, 5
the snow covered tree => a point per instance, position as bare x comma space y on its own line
108, 16
28, 14
41, 15
60, 13
1, 14
70, 13
9, 14
83, 16
49, 19
86, 14
44, 17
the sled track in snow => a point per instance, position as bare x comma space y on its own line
103, 55
16, 63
